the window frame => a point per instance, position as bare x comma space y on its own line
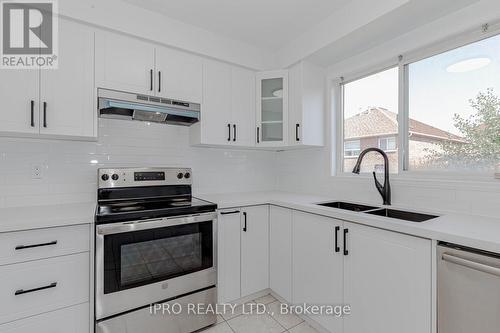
402, 141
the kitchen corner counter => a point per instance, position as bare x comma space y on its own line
468, 230
35, 217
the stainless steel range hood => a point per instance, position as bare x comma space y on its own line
121, 105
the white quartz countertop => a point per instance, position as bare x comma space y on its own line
34, 217
467, 230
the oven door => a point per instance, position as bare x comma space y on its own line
142, 262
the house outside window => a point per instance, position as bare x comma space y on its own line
387, 144
352, 148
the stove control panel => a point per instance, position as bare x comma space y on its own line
129, 177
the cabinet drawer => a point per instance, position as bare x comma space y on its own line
69, 320
34, 287
43, 243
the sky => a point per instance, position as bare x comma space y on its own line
435, 94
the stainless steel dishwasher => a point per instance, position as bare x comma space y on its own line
468, 290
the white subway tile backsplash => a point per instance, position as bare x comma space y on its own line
69, 170
70, 167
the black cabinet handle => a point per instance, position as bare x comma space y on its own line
245, 221
231, 212
346, 252
159, 81
297, 132
32, 113
228, 132
258, 134
151, 79
22, 291
234, 133
337, 247
23, 247
45, 114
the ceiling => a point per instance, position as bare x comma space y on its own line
268, 24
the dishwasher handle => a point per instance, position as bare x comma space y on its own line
471, 264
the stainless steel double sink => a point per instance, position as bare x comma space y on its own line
387, 212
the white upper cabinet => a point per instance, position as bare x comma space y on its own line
272, 108
243, 107
215, 125
307, 109
124, 63
67, 93
387, 281
19, 94
228, 107
178, 75
53, 102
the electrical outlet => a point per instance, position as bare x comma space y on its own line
36, 171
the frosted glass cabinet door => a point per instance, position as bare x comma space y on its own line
272, 108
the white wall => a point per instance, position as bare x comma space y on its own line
132, 20
69, 175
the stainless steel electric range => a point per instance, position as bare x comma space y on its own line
155, 246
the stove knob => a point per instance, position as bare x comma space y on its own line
187, 175
115, 176
180, 175
105, 177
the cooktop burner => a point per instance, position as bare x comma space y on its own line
146, 193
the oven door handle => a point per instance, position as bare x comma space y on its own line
117, 228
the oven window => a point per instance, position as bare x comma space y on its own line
138, 258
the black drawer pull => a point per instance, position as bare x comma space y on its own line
297, 138
22, 247
231, 212
22, 291
45, 114
228, 132
337, 247
346, 252
234, 128
245, 222
258, 135
159, 81
151, 79
32, 104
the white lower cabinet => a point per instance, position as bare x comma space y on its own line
384, 276
317, 267
243, 252
280, 252
228, 255
254, 250
387, 281
34, 287
74, 319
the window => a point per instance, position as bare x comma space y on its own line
452, 113
387, 144
454, 109
370, 112
352, 148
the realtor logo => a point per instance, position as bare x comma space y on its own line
29, 34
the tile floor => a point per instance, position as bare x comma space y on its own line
271, 322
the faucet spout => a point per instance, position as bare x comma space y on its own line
384, 190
